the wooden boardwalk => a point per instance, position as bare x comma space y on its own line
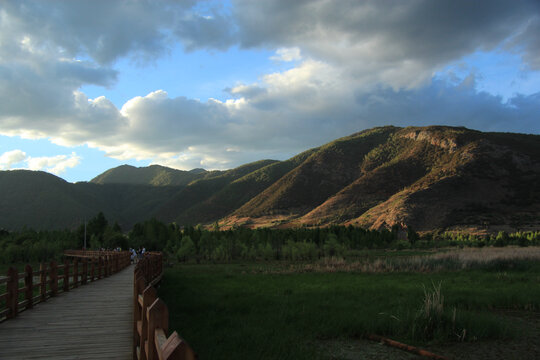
93, 321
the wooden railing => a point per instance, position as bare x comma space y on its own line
118, 259
24, 290
151, 316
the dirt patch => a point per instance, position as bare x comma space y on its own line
365, 349
525, 345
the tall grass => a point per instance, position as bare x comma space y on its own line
250, 311
491, 259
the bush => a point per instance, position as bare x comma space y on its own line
332, 247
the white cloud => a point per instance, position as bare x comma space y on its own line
389, 43
10, 158
356, 65
53, 164
58, 164
287, 54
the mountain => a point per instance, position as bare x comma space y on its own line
152, 175
40, 200
433, 177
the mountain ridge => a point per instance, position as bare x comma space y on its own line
434, 177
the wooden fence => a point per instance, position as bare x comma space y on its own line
24, 290
151, 316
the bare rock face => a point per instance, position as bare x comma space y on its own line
432, 137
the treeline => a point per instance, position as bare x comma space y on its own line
274, 244
309, 244
30, 246
197, 244
502, 238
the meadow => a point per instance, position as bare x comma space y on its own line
295, 310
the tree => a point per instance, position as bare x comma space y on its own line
186, 249
412, 235
332, 247
97, 225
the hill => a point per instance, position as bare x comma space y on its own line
40, 200
429, 178
152, 175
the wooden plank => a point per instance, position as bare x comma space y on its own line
91, 322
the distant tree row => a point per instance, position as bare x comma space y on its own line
198, 244
502, 238
310, 244
30, 246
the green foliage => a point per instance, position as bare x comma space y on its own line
301, 244
431, 316
29, 246
300, 251
520, 238
186, 249
501, 239
332, 247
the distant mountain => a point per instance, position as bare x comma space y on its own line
152, 175
432, 177
40, 200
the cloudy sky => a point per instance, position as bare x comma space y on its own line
89, 85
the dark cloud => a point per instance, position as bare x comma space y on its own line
102, 29
80, 73
214, 31
396, 42
442, 103
528, 42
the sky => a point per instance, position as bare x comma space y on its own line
89, 85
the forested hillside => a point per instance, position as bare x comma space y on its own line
429, 178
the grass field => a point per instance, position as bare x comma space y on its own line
291, 310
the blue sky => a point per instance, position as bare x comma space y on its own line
87, 86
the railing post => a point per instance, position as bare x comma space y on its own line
110, 264
12, 300
137, 290
100, 266
158, 317
75, 273
54, 278
43, 281
29, 285
66, 275
85, 271
93, 270
149, 296
106, 265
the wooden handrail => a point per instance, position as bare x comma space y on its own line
54, 278
151, 316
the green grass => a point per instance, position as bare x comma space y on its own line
241, 311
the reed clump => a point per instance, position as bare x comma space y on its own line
490, 259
